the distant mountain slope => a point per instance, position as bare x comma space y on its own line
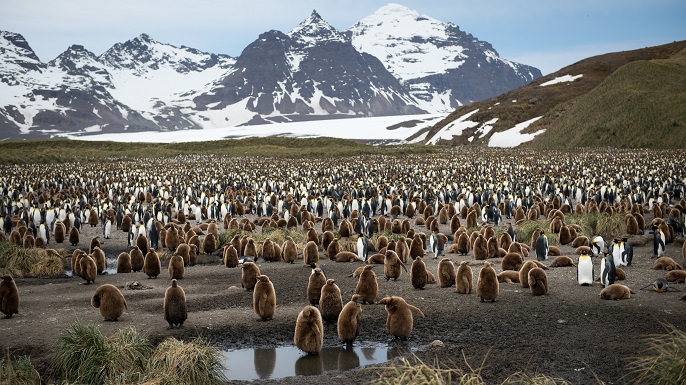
548, 106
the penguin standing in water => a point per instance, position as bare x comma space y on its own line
608, 271
542, 247
584, 269
658, 241
436, 244
362, 247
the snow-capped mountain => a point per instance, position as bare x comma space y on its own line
312, 70
441, 65
394, 62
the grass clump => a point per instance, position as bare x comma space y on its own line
664, 361
405, 372
176, 362
85, 356
523, 378
526, 229
38, 263
20, 372
603, 224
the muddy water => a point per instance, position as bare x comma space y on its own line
286, 361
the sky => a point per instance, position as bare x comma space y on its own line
547, 34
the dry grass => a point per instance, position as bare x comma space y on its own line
39, 263
404, 371
20, 371
192, 363
664, 361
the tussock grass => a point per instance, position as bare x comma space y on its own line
403, 371
85, 356
193, 363
602, 224
525, 229
20, 371
21, 262
664, 361
523, 378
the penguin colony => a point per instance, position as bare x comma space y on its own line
183, 213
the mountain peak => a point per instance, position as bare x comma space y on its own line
315, 29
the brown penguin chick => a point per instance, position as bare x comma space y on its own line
151, 264
376, 259
480, 248
193, 255
565, 235
534, 237
309, 330
392, 266
174, 306
345, 229
508, 276
333, 249
142, 243
348, 325
74, 236
162, 238
464, 278
230, 256
463, 244
123, 263
264, 298
418, 273
176, 269
616, 292
620, 274
555, 225
100, 261
94, 242
15, 238
562, 261
268, 251
430, 278
580, 241
553, 251
250, 249
666, 263
538, 281
631, 224
511, 261
455, 223
470, 221
492, 247
311, 253
640, 220
405, 226
137, 260
312, 236
416, 247
327, 225
402, 249
347, 256
516, 247
209, 244
184, 251
88, 268
524, 273
289, 251
399, 322
330, 302
29, 242
9, 296
381, 242
249, 273
60, 232
315, 283
487, 286
110, 301
327, 238
446, 273
171, 239
582, 250
367, 287
39, 242
676, 276
505, 240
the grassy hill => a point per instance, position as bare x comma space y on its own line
645, 96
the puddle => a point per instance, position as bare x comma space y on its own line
110, 269
287, 361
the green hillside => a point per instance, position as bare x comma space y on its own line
642, 104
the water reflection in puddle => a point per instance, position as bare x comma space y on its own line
110, 269
286, 361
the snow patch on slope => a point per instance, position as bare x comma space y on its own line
454, 128
562, 79
513, 137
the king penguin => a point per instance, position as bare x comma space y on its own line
542, 247
107, 229
597, 245
436, 245
362, 247
608, 271
658, 241
628, 254
618, 252
512, 232
584, 269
